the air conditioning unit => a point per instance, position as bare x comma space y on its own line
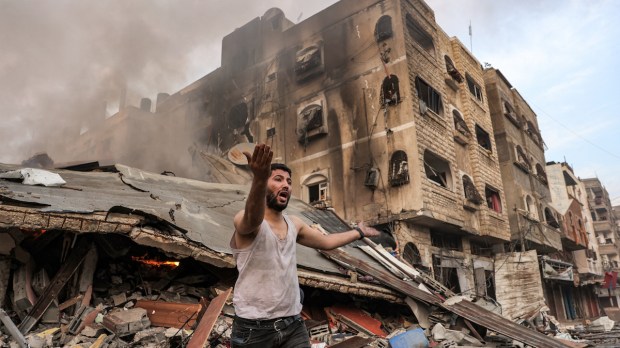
372, 178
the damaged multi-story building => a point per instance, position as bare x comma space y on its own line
384, 119
606, 231
576, 296
535, 225
381, 115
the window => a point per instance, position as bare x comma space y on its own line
399, 169
522, 160
390, 94
238, 116
459, 123
317, 188
441, 239
311, 122
510, 113
437, 169
474, 88
483, 138
494, 201
429, 96
308, 62
471, 193
540, 173
317, 192
533, 132
530, 206
419, 35
411, 254
451, 69
383, 28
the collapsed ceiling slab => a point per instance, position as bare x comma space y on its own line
181, 217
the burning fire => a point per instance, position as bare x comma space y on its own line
156, 263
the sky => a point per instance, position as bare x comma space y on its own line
63, 60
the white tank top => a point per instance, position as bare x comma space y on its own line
267, 286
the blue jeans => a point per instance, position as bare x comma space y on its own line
287, 332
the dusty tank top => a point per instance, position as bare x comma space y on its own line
267, 286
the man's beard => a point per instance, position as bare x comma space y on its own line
272, 203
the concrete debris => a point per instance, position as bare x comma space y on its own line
605, 322
32, 176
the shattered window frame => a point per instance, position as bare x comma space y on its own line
399, 169
451, 69
437, 169
429, 96
459, 123
420, 35
483, 138
474, 88
493, 199
390, 88
470, 191
383, 28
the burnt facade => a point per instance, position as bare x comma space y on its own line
381, 116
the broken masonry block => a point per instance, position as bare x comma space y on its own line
126, 322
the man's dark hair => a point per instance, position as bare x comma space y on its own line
281, 166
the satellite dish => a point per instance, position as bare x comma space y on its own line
236, 156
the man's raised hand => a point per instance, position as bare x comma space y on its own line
260, 161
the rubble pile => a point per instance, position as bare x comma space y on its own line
61, 289
104, 291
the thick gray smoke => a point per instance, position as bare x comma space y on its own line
62, 61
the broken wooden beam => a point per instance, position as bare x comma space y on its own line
170, 314
201, 335
53, 289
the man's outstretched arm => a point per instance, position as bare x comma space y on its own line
313, 238
249, 220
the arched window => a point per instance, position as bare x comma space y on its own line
540, 173
399, 169
451, 69
383, 28
522, 160
390, 93
494, 201
419, 35
530, 206
459, 123
471, 193
437, 170
411, 254
317, 189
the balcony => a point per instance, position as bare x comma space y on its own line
544, 238
608, 249
602, 225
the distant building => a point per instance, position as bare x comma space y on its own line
608, 237
569, 198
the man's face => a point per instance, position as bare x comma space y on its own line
278, 190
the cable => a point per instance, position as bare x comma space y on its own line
575, 133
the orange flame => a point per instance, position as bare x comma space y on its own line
156, 263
